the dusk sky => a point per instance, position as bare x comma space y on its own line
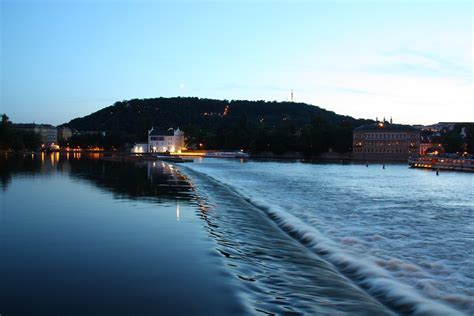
406, 59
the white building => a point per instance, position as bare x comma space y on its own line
165, 141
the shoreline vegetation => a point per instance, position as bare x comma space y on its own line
251, 126
276, 130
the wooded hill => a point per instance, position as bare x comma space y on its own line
220, 124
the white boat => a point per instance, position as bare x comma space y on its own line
227, 154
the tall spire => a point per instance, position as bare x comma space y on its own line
291, 96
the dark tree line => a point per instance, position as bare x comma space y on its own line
17, 139
313, 138
455, 142
255, 126
118, 140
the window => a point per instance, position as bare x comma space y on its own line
157, 138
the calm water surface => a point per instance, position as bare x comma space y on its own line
90, 237
84, 236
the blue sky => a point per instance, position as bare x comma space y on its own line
412, 60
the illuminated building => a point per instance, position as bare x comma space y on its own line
165, 141
385, 141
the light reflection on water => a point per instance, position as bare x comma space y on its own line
85, 236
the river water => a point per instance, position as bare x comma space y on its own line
404, 236
89, 237
224, 236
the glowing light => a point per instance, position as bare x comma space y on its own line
94, 148
226, 110
138, 149
189, 153
54, 147
177, 211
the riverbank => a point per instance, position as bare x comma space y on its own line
444, 163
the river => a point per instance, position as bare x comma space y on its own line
226, 236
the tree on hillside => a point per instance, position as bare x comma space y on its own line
220, 124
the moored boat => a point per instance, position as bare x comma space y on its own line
174, 159
443, 163
227, 154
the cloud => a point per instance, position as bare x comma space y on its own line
413, 87
412, 99
413, 63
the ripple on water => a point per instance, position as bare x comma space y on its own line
277, 274
372, 234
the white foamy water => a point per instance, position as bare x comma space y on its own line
405, 236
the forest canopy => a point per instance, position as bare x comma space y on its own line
255, 126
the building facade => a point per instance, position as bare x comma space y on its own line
64, 133
48, 133
165, 141
383, 141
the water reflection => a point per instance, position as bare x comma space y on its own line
177, 211
71, 248
17, 165
149, 180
